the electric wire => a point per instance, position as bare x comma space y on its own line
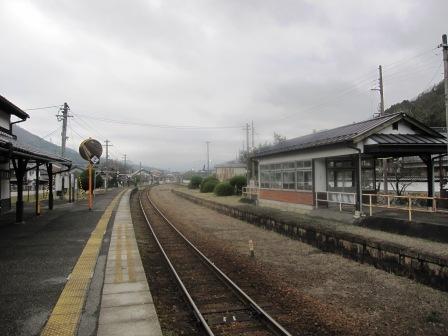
430, 83
144, 124
42, 108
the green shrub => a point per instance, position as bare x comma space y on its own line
238, 182
210, 178
208, 186
195, 182
224, 189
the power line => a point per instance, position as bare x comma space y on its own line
405, 60
52, 132
144, 124
427, 86
42, 108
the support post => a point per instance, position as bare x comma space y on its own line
430, 177
20, 170
70, 188
358, 183
37, 189
50, 185
73, 186
90, 187
430, 173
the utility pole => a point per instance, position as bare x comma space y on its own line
380, 68
140, 173
253, 135
247, 137
64, 127
381, 114
208, 157
63, 118
385, 162
125, 169
107, 162
445, 79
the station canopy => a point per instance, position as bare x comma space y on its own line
14, 149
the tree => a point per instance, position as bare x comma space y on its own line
402, 180
195, 182
278, 138
84, 179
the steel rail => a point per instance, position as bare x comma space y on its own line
196, 310
272, 324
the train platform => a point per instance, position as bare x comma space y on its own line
54, 269
127, 307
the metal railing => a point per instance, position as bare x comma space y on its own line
407, 203
338, 197
250, 192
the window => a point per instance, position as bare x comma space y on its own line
340, 175
395, 126
293, 175
344, 178
289, 180
304, 180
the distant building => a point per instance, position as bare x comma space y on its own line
227, 170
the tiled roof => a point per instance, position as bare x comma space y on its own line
346, 133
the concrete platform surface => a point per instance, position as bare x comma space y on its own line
126, 304
37, 257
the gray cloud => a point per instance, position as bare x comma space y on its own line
291, 66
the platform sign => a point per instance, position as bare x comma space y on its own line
91, 150
95, 159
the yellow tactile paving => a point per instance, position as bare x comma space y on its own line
65, 316
130, 258
118, 269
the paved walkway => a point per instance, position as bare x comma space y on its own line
36, 259
126, 305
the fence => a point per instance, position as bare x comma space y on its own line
250, 192
340, 198
407, 203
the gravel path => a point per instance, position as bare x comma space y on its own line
422, 245
384, 303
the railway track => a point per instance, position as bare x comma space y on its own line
219, 305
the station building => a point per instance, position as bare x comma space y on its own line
341, 162
17, 159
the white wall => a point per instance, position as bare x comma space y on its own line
4, 119
320, 175
4, 185
403, 128
323, 153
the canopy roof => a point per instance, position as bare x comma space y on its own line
9, 144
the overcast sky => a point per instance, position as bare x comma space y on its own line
290, 66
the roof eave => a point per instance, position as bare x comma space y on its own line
13, 109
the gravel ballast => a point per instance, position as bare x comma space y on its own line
384, 304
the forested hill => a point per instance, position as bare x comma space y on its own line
44, 145
428, 107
